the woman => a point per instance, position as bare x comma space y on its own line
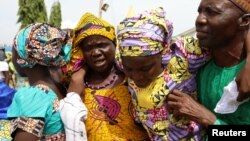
34, 110
106, 95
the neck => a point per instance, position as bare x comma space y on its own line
43, 78
97, 77
230, 54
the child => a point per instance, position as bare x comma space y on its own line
35, 109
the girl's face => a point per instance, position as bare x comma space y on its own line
99, 52
142, 69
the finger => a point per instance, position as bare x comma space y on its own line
242, 96
173, 97
173, 104
178, 93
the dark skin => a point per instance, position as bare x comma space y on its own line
99, 54
227, 26
143, 69
44, 78
244, 82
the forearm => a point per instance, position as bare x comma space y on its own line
77, 82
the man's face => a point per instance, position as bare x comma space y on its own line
99, 52
143, 69
217, 22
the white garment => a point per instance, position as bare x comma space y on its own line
3, 67
228, 102
73, 113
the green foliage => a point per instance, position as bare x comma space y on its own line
31, 11
55, 15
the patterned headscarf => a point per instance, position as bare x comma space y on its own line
42, 44
244, 5
87, 26
142, 35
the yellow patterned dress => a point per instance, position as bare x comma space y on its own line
110, 115
5, 130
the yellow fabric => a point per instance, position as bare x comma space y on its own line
5, 130
146, 100
112, 120
92, 25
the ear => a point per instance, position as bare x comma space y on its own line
245, 20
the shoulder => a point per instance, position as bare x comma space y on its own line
32, 102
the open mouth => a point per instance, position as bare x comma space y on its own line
99, 62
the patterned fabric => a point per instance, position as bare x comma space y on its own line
5, 130
42, 44
33, 126
87, 26
211, 81
33, 103
182, 62
244, 5
145, 34
110, 115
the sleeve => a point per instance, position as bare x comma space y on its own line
29, 109
30, 102
189, 49
30, 125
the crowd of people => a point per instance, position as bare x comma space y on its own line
136, 83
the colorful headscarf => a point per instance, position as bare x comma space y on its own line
87, 26
244, 5
42, 44
142, 35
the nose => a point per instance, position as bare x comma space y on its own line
200, 20
96, 52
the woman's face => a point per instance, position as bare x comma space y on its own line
99, 52
142, 69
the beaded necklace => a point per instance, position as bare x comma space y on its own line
108, 82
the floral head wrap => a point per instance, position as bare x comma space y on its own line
244, 5
42, 44
87, 26
142, 35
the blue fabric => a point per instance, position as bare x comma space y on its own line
6, 96
33, 102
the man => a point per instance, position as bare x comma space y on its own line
222, 27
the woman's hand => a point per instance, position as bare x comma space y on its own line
184, 105
77, 81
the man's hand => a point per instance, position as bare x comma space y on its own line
184, 105
243, 83
243, 78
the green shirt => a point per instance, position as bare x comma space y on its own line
211, 81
